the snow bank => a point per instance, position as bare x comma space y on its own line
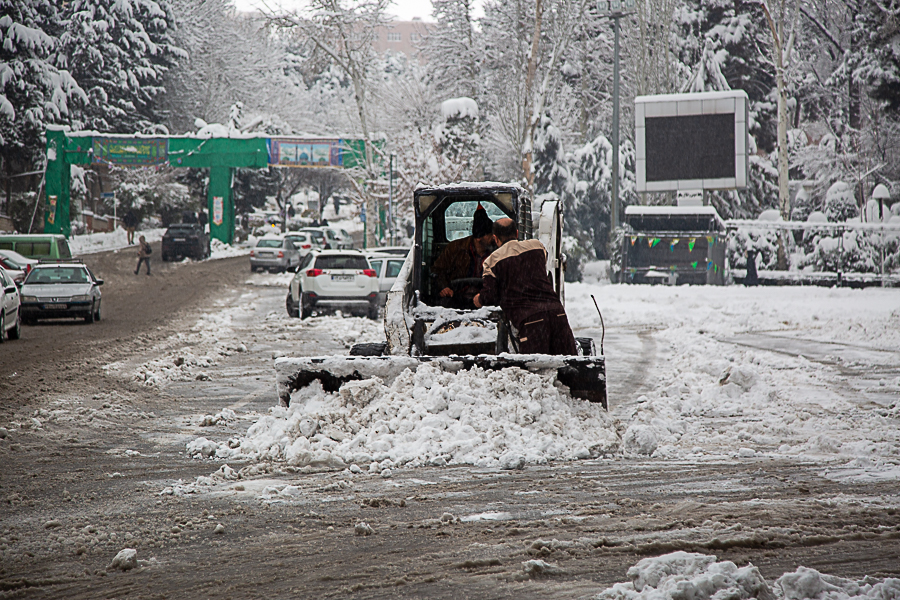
684, 575
112, 240
712, 393
430, 417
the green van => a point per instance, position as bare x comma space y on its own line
37, 245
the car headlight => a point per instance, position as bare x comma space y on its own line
29, 299
79, 298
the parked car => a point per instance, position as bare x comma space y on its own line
37, 245
338, 238
185, 240
274, 253
386, 267
61, 289
331, 280
302, 241
319, 237
10, 308
16, 265
14, 257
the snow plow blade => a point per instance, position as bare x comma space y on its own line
585, 376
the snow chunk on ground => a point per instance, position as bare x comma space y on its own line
684, 575
498, 419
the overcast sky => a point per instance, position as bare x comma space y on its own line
405, 10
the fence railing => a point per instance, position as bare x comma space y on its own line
853, 254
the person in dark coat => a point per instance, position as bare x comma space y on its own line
130, 222
463, 259
516, 278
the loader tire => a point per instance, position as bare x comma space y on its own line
586, 346
373, 349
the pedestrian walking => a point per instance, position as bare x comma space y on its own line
144, 252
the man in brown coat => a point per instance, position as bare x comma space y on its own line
515, 277
462, 259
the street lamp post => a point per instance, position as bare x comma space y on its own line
615, 10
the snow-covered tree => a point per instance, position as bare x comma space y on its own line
119, 52
452, 47
34, 92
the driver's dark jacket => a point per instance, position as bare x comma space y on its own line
515, 277
459, 260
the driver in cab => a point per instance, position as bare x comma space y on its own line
463, 259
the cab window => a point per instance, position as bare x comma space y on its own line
393, 268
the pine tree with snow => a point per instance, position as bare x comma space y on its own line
119, 51
34, 92
458, 139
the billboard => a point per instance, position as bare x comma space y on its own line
130, 151
693, 141
300, 152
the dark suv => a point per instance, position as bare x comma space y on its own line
185, 240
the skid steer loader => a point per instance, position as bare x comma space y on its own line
420, 328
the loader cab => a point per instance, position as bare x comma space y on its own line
445, 214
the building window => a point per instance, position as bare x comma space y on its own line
414, 37
393, 36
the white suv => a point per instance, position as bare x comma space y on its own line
331, 280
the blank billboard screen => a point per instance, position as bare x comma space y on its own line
690, 147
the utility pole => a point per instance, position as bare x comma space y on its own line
615, 10
390, 217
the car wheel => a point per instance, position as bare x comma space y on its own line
292, 310
16, 332
2, 326
372, 313
305, 308
97, 313
89, 318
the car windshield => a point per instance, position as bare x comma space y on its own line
180, 229
269, 244
51, 275
298, 238
343, 261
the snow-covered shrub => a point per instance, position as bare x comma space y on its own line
764, 241
840, 205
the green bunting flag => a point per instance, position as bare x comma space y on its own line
694, 264
691, 243
652, 242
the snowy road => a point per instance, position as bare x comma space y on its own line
758, 428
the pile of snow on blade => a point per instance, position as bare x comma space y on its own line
682, 575
502, 419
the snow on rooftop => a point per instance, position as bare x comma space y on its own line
671, 210
691, 96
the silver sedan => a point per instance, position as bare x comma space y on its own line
275, 254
